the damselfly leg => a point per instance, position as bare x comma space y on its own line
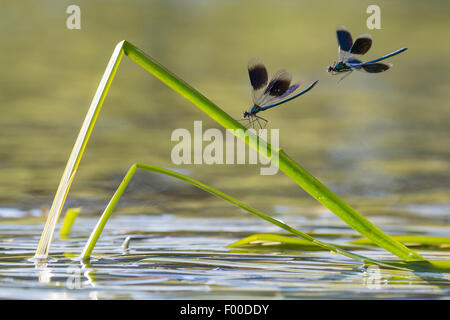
252, 119
346, 75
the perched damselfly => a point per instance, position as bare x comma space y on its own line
267, 94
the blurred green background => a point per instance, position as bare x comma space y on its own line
376, 140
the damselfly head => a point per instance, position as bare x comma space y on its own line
246, 114
332, 68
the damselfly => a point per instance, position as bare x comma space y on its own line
349, 52
266, 94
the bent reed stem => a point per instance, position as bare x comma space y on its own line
97, 231
300, 176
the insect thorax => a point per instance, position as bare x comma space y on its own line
338, 67
254, 109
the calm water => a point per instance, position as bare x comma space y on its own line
379, 141
175, 256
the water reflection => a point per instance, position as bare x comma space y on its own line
45, 273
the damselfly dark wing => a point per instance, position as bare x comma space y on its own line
361, 45
278, 84
258, 77
277, 88
270, 100
257, 73
291, 89
345, 41
375, 67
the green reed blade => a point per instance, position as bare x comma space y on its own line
76, 154
276, 242
69, 219
412, 240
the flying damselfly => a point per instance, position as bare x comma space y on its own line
349, 53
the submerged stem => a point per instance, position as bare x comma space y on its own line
69, 219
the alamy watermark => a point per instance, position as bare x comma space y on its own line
74, 19
374, 20
226, 149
